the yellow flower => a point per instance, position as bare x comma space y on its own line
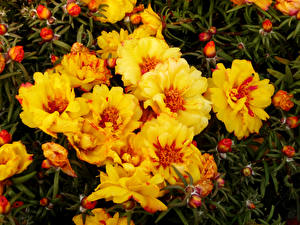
137, 57
239, 97
168, 143
109, 42
50, 104
13, 159
263, 4
57, 156
84, 70
289, 7
100, 218
113, 116
176, 89
120, 185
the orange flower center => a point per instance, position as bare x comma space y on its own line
3, 161
168, 154
243, 91
110, 114
174, 101
58, 104
149, 63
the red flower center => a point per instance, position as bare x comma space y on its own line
57, 104
174, 100
149, 63
110, 114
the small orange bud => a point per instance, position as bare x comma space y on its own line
46, 164
17, 204
3, 29
78, 47
288, 151
46, 34
16, 53
43, 13
88, 204
210, 49
73, 9
111, 62
44, 202
5, 137
53, 58
195, 201
224, 145
204, 36
135, 19
220, 182
267, 25
93, 6
2, 63
128, 205
283, 100
247, 171
250, 205
292, 121
204, 187
212, 30
4, 205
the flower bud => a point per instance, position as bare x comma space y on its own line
204, 187
88, 204
250, 205
111, 62
220, 182
43, 13
210, 49
283, 100
247, 171
204, 36
292, 121
3, 29
17, 204
73, 9
46, 34
224, 145
212, 30
128, 205
53, 58
16, 53
135, 19
288, 151
4, 205
195, 201
93, 6
2, 63
5, 137
44, 202
267, 25
46, 164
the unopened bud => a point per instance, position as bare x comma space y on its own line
4, 205
195, 201
73, 9
44, 202
43, 12
210, 49
88, 204
224, 145
5, 137
288, 151
3, 29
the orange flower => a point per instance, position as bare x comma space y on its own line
3, 29
4, 205
209, 168
2, 63
57, 156
263, 4
73, 9
43, 13
267, 25
288, 151
16, 53
283, 100
210, 49
78, 47
292, 121
5, 137
204, 187
289, 7
53, 58
46, 34
224, 145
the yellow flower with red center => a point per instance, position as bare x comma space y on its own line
282, 99
50, 104
109, 42
137, 57
239, 97
176, 88
84, 70
113, 116
120, 185
100, 217
168, 143
13, 159
289, 7
57, 156
263, 4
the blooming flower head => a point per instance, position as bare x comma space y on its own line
282, 100
73, 9
16, 53
13, 159
50, 104
120, 185
239, 97
263, 4
168, 144
109, 42
101, 217
137, 57
57, 156
289, 7
84, 70
176, 89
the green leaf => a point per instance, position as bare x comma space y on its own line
180, 176
276, 74
181, 216
62, 44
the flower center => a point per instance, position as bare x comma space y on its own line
149, 63
174, 101
243, 91
168, 154
58, 104
3, 161
110, 114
